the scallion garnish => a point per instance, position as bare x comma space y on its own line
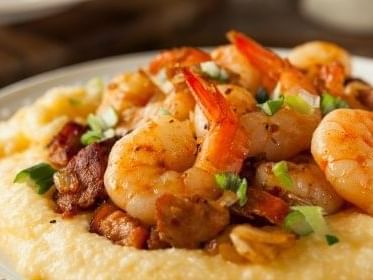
281, 171
213, 71
164, 112
109, 117
101, 126
261, 95
298, 104
331, 239
329, 103
296, 222
306, 219
39, 176
91, 136
270, 107
232, 182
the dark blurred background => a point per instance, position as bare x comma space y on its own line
101, 28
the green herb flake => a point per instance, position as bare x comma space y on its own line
296, 222
164, 112
213, 71
271, 107
110, 117
101, 127
242, 192
314, 217
91, 136
95, 123
232, 182
281, 171
304, 220
297, 103
329, 103
39, 176
331, 239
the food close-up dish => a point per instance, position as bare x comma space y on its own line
233, 162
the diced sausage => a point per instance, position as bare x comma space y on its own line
66, 144
187, 222
117, 226
263, 204
80, 185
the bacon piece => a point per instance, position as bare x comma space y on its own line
66, 144
117, 226
187, 222
80, 185
263, 204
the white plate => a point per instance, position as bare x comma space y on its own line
24, 92
12, 11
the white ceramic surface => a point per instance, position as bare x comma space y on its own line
24, 92
12, 11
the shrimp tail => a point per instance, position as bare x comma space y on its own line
266, 62
225, 148
179, 57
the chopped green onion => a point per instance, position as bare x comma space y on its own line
95, 123
232, 182
329, 103
164, 112
110, 117
101, 127
281, 171
242, 192
331, 239
296, 222
39, 176
314, 217
304, 220
298, 104
270, 107
213, 71
261, 95
91, 136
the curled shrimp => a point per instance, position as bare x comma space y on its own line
309, 185
287, 132
161, 156
315, 53
342, 146
178, 57
272, 68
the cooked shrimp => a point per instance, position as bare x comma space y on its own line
129, 90
288, 132
230, 58
342, 146
179, 57
271, 67
160, 157
280, 136
311, 54
240, 100
309, 185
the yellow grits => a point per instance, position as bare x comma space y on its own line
39, 249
